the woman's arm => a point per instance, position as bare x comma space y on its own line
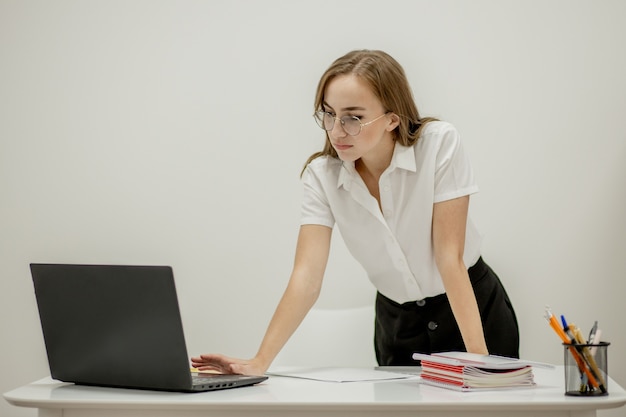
300, 295
449, 223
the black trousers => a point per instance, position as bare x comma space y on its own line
428, 326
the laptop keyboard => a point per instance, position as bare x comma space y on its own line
213, 381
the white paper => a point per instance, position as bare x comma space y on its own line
338, 374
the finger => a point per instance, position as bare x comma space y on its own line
211, 369
208, 359
216, 357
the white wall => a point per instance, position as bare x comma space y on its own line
156, 132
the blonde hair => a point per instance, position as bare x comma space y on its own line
388, 82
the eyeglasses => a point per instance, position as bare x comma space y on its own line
351, 124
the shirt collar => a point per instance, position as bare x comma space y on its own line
403, 158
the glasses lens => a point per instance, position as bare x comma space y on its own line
319, 118
351, 124
329, 121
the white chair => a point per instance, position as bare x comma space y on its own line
333, 337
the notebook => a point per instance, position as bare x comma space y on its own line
118, 326
465, 371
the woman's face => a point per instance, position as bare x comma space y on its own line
349, 95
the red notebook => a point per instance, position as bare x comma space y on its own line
464, 371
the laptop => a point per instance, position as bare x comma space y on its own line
118, 326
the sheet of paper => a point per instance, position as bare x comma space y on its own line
338, 374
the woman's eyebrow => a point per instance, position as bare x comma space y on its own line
349, 108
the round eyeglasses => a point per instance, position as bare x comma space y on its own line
351, 124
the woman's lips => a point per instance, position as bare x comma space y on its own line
342, 147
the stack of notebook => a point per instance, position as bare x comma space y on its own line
464, 371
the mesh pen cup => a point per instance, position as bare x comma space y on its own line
586, 369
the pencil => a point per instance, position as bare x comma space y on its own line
579, 360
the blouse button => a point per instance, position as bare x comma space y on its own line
432, 325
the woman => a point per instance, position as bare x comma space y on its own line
397, 186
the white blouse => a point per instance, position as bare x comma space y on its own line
395, 245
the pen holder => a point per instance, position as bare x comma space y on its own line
586, 369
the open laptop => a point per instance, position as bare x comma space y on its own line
118, 326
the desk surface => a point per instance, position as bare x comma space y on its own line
290, 396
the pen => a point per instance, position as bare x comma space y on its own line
584, 380
589, 359
566, 328
555, 325
595, 341
575, 354
593, 331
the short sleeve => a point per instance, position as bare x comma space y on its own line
453, 172
315, 206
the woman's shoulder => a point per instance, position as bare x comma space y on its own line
438, 134
323, 163
324, 167
438, 128
438, 138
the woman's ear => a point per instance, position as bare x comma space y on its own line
394, 121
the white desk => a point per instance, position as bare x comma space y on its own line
281, 397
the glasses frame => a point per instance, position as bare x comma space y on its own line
320, 115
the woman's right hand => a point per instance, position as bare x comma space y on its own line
214, 362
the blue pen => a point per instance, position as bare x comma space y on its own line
567, 330
583, 377
566, 327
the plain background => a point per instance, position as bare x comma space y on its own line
173, 132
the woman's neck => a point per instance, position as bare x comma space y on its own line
373, 166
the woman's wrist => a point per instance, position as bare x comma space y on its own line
261, 362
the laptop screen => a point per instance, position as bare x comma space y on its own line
112, 325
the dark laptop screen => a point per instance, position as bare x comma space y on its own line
112, 325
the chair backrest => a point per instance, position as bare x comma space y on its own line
337, 338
